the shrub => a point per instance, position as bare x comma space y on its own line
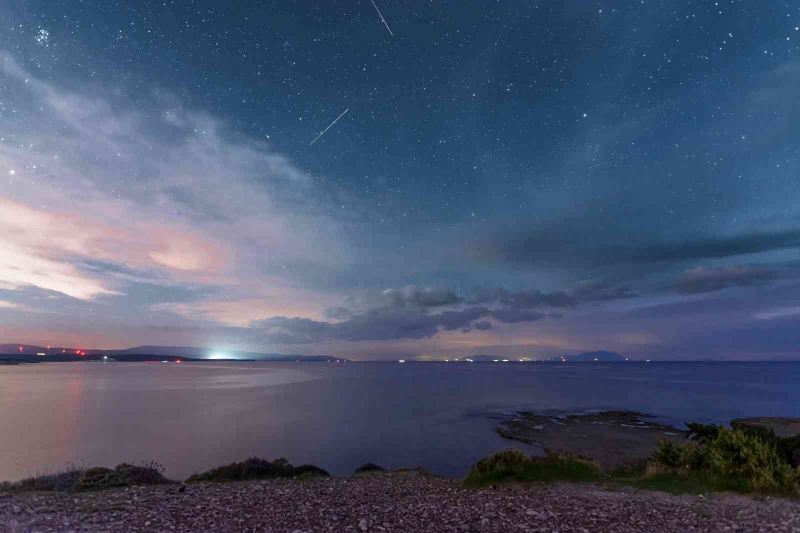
751, 460
788, 447
702, 432
734, 458
513, 465
256, 468
669, 454
369, 467
309, 471
99, 478
75, 478
150, 473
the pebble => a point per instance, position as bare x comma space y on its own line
402, 502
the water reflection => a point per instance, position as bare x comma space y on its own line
441, 416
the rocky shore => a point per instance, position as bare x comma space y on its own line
612, 438
615, 439
390, 502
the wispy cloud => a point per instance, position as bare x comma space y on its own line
778, 312
700, 279
164, 190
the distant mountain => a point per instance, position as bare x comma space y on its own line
150, 353
600, 356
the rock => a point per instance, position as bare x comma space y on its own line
784, 427
612, 438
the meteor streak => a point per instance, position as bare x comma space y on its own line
329, 127
382, 19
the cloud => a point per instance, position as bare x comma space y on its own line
166, 191
390, 323
583, 292
778, 312
512, 316
384, 323
418, 313
243, 309
713, 248
553, 246
413, 296
701, 280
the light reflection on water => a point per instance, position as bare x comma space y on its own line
192, 416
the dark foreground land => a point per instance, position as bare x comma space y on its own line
391, 502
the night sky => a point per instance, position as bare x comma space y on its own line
526, 178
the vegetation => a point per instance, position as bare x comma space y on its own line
369, 467
255, 468
743, 458
75, 478
513, 465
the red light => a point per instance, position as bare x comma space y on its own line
20, 348
178, 361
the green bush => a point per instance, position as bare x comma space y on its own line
369, 467
255, 468
513, 465
738, 459
75, 478
702, 432
754, 461
150, 473
99, 478
669, 454
788, 447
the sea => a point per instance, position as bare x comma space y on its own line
440, 416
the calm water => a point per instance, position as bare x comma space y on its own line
441, 416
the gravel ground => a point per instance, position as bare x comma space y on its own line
396, 502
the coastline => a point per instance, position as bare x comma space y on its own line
260, 495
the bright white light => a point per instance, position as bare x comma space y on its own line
219, 355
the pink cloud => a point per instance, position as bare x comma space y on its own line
43, 248
171, 195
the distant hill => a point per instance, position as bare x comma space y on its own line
149, 353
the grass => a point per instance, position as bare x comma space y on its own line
516, 467
677, 484
739, 459
75, 478
513, 465
255, 468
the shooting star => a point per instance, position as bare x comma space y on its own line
329, 127
382, 19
